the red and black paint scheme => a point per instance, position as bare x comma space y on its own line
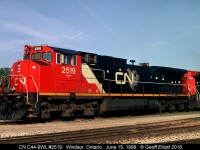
67, 83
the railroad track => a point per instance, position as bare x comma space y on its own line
101, 135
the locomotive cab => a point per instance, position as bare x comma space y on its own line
43, 71
48, 69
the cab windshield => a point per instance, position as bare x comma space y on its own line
36, 56
47, 56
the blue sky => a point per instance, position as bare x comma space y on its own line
161, 32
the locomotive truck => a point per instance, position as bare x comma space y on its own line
68, 83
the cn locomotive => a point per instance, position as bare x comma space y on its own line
52, 81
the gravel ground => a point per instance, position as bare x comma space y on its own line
157, 139
13, 129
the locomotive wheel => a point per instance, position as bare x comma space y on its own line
162, 107
71, 118
180, 107
44, 110
89, 111
27, 120
45, 113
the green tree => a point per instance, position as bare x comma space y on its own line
6, 73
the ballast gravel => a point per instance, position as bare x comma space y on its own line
14, 129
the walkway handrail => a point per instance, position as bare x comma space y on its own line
197, 92
36, 89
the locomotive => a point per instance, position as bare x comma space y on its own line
68, 83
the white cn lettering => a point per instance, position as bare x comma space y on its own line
23, 82
126, 78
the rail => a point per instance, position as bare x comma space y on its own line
106, 134
36, 89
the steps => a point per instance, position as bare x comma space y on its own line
30, 111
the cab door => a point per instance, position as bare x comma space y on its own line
68, 72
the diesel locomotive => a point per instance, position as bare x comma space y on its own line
68, 83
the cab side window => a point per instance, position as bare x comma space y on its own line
58, 58
73, 60
66, 59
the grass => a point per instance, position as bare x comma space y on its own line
196, 119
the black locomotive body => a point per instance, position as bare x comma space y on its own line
139, 88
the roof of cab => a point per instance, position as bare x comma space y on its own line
69, 51
64, 51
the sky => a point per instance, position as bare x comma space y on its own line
160, 32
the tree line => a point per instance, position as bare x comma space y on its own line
5, 72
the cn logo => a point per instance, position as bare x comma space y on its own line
130, 77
